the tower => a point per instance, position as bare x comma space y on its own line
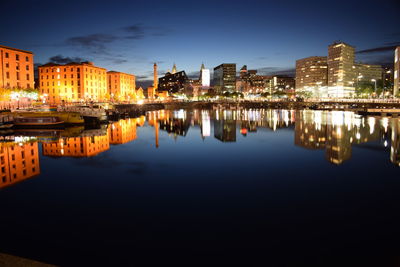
174, 69
204, 76
155, 82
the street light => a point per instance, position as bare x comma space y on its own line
374, 80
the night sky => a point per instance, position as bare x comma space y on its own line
129, 36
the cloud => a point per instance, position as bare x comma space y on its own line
135, 32
277, 71
90, 41
59, 59
388, 47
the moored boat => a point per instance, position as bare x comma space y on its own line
31, 122
6, 120
66, 117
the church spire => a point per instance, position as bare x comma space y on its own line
174, 69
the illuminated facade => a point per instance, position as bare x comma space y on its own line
312, 75
340, 69
367, 73
77, 146
225, 78
73, 82
396, 75
282, 83
204, 76
121, 86
16, 68
18, 162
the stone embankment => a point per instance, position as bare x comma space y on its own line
135, 110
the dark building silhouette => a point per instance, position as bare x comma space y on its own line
225, 78
225, 130
173, 82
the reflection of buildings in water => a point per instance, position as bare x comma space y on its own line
175, 122
225, 130
123, 131
395, 140
334, 131
205, 123
18, 162
77, 147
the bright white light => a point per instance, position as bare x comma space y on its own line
205, 77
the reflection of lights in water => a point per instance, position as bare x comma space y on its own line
371, 124
180, 114
339, 132
358, 135
385, 123
357, 121
337, 118
351, 139
385, 143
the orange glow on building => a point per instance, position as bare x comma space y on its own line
73, 82
16, 68
77, 146
18, 162
121, 86
123, 131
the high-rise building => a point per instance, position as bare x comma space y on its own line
204, 76
73, 82
225, 77
16, 68
340, 69
312, 75
121, 85
396, 74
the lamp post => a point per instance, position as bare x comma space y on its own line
374, 80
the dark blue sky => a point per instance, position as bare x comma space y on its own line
129, 36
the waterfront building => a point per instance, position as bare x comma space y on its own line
225, 78
16, 68
340, 69
282, 83
73, 82
249, 82
172, 82
396, 74
18, 162
367, 73
312, 75
121, 86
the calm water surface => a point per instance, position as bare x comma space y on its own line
204, 186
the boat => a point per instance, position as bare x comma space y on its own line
32, 122
66, 117
91, 114
6, 120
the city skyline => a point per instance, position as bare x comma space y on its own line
266, 39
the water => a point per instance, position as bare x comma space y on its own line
198, 187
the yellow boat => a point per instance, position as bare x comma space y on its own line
66, 117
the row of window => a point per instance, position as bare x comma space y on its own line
17, 67
72, 69
7, 55
8, 76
